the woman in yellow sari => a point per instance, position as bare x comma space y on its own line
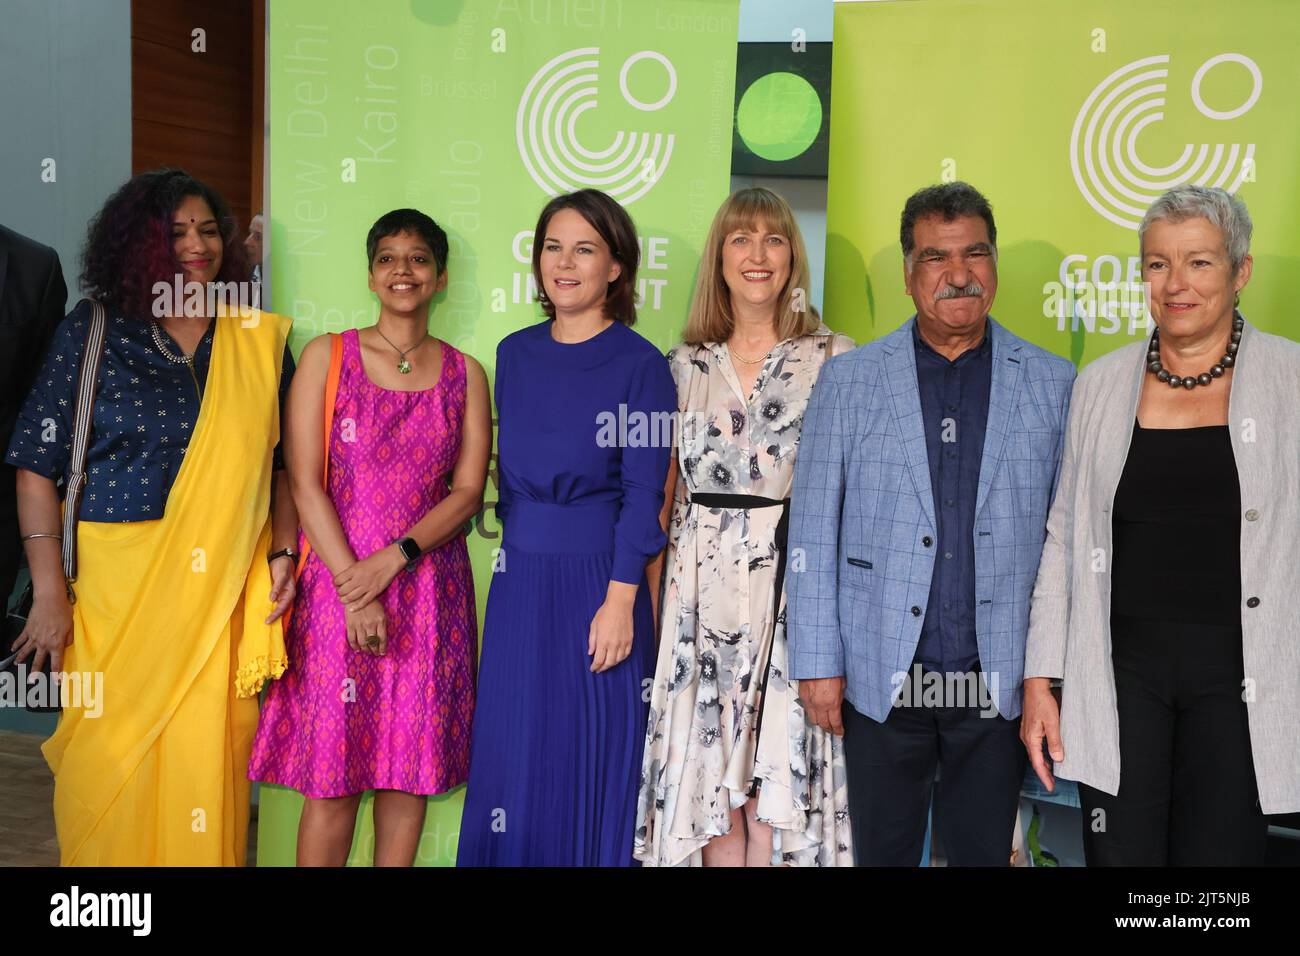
185, 560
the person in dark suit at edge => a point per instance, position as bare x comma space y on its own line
33, 297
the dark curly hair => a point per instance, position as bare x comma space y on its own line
948, 201
129, 243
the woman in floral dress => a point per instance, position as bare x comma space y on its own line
732, 773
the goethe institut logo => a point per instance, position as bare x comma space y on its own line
546, 128
1104, 142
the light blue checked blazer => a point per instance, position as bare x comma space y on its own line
859, 572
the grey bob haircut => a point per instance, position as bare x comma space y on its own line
1224, 211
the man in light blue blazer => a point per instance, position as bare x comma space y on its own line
927, 465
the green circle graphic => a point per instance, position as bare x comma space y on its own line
779, 116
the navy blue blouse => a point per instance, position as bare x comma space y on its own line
550, 397
145, 410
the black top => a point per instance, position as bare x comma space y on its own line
1177, 526
32, 298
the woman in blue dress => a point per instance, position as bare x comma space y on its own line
584, 406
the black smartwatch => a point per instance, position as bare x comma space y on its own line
410, 551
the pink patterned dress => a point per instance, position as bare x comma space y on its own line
341, 722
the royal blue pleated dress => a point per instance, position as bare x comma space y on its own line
582, 458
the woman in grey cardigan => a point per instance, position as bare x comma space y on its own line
1168, 597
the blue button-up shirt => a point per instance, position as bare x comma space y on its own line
955, 409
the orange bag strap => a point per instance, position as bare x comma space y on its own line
331, 396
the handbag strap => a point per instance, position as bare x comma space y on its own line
81, 422
331, 397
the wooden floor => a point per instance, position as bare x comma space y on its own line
26, 797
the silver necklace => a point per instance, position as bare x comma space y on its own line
161, 346
403, 365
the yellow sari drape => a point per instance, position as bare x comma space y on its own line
171, 613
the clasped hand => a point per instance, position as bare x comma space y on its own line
368, 578
357, 587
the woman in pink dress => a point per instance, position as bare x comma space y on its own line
379, 694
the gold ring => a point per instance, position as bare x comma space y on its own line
372, 640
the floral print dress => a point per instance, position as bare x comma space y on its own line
711, 736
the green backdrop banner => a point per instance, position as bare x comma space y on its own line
475, 112
1071, 118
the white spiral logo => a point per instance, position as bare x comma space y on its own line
1103, 143
545, 129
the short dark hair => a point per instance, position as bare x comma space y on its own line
949, 201
412, 221
607, 217
129, 242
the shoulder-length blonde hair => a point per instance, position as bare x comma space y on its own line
711, 319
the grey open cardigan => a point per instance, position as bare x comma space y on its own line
1069, 623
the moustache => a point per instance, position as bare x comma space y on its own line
974, 290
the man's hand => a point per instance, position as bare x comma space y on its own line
822, 699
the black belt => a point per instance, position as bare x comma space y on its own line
780, 539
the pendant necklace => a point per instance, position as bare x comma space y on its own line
403, 366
